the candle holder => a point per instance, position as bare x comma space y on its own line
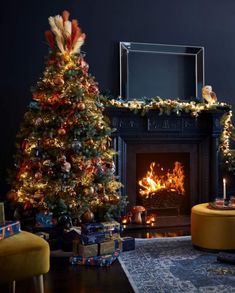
219, 202
226, 202
232, 201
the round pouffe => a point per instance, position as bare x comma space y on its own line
212, 228
22, 256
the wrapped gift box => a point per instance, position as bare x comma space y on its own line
44, 220
128, 243
109, 226
9, 228
109, 246
75, 246
100, 261
88, 250
98, 237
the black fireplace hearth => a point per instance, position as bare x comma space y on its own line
194, 140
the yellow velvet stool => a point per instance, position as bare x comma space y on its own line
22, 256
212, 228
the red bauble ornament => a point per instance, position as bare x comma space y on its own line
38, 175
37, 96
93, 89
27, 205
11, 195
54, 99
38, 195
50, 172
24, 144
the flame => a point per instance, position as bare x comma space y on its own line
171, 181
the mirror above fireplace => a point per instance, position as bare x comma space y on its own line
167, 71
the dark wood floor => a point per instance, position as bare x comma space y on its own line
64, 277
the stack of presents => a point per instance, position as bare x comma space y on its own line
7, 228
99, 244
96, 244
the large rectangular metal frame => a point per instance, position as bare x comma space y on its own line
127, 47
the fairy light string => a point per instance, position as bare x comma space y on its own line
168, 106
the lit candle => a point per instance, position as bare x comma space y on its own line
224, 189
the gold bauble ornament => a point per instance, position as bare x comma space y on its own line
105, 198
103, 147
72, 193
61, 131
92, 190
90, 141
58, 80
89, 190
99, 125
115, 199
38, 121
81, 106
87, 217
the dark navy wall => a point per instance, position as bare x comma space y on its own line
208, 23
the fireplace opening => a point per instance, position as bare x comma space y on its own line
162, 183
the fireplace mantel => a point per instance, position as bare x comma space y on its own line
197, 136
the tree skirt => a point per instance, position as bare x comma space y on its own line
172, 265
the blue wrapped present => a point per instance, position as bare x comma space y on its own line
109, 226
97, 237
128, 243
100, 261
44, 220
10, 228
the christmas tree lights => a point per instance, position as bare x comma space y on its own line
64, 161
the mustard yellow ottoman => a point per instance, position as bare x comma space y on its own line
22, 256
211, 228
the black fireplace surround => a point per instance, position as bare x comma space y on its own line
152, 133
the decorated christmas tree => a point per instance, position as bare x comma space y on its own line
64, 160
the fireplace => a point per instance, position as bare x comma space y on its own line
162, 182
165, 141
138, 159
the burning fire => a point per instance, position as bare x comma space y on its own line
171, 181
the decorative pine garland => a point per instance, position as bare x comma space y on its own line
167, 107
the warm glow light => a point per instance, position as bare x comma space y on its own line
171, 181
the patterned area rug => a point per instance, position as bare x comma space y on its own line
172, 265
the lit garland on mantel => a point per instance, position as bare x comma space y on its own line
167, 107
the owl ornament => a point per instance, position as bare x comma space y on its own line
209, 95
